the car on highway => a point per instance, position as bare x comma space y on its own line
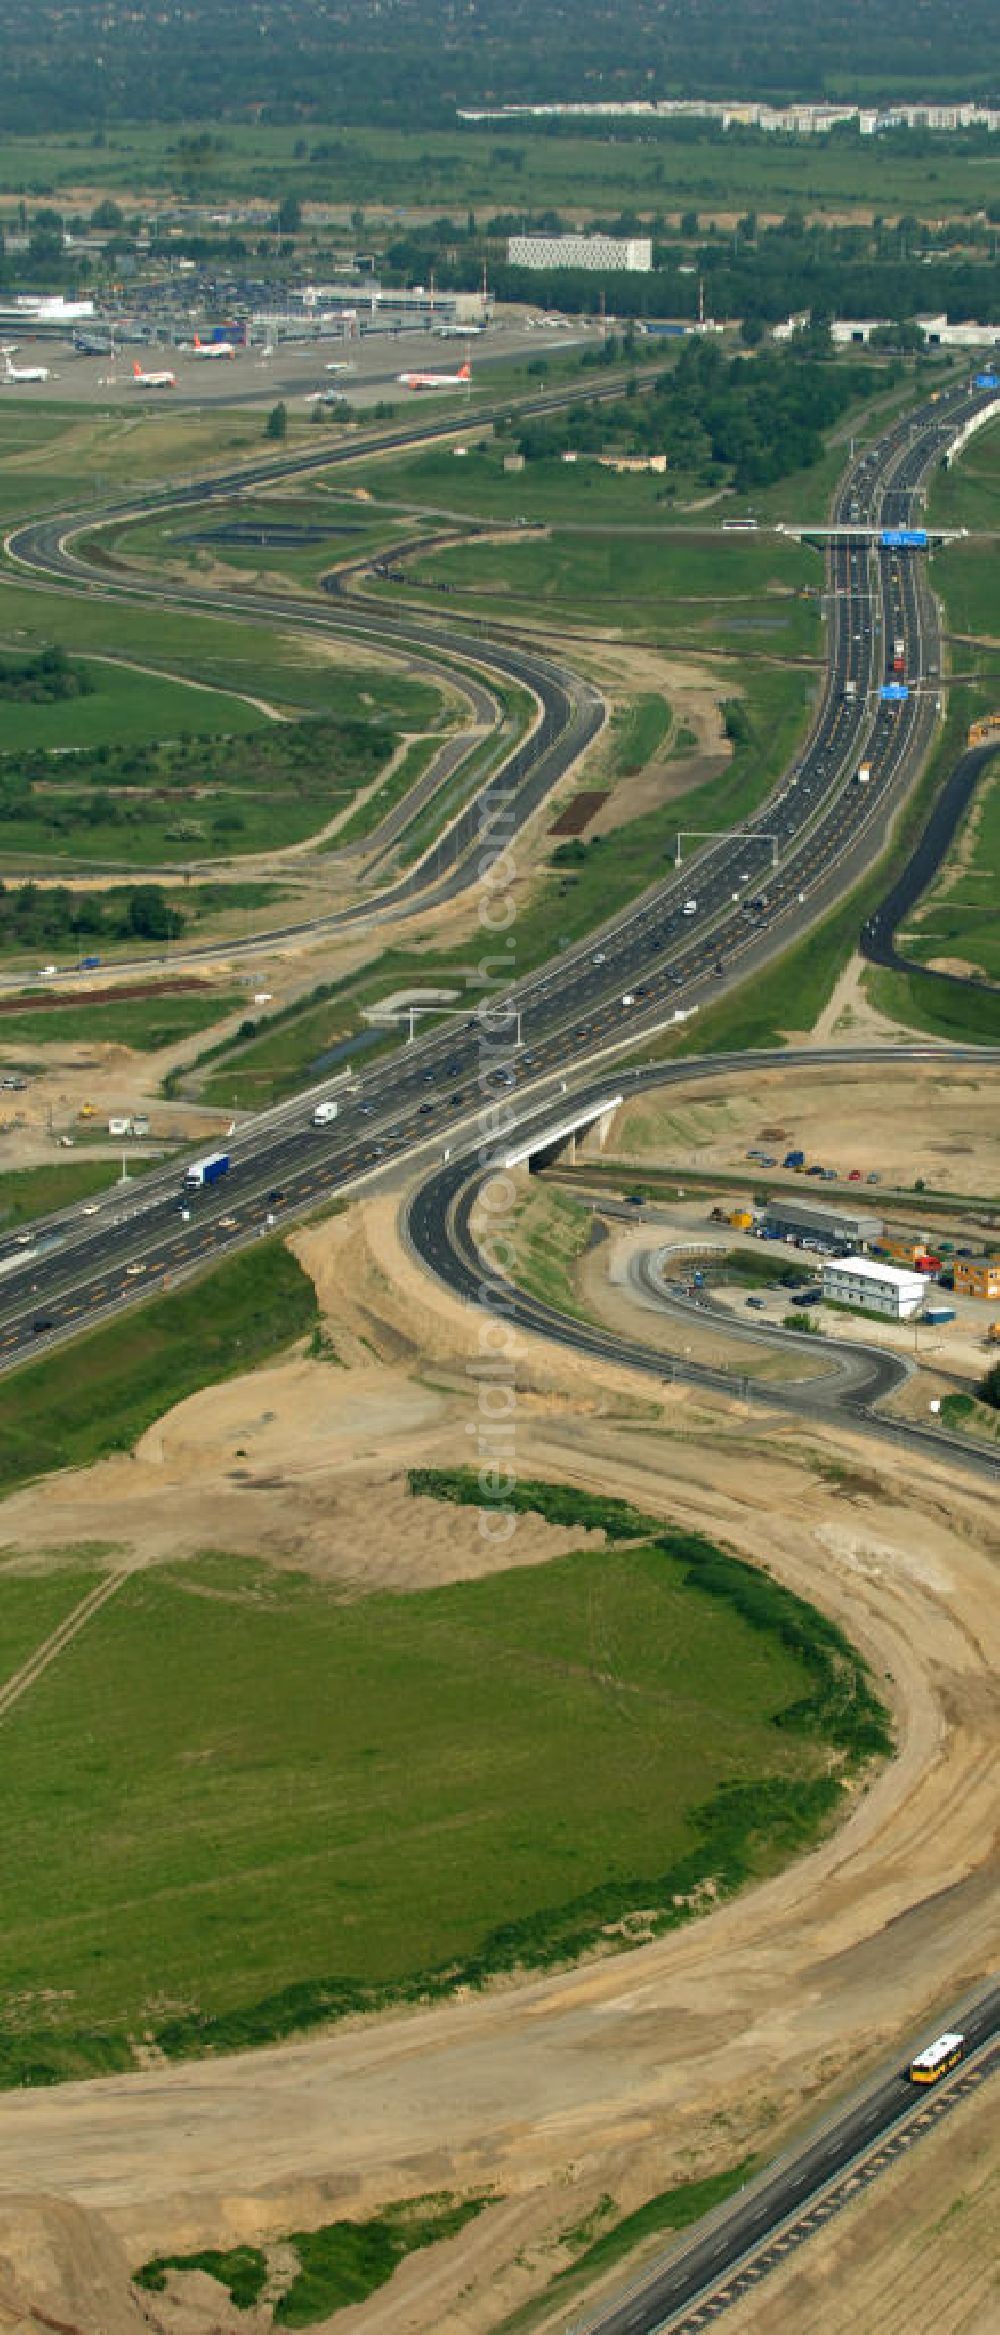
690, 908
276, 1197
227, 1224
133, 1270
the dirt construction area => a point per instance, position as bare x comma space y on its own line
630, 2073
936, 1121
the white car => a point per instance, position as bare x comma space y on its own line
690, 908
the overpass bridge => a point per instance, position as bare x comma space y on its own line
872, 538
553, 1136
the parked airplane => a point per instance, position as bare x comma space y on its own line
460, 380
212, 349
143, 380
457, 332
24, 372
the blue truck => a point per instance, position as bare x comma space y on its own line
794, 1159
207, 1171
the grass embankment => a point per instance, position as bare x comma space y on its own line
966, 1415
145, 1023
606, 2238
26, 1193
551, 1231
956, 922
968, 1017
639, 730
393, 790
102, 1393
493, 1775
339, 2264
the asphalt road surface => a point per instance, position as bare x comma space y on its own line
711, 926
782, 2198
447, 1225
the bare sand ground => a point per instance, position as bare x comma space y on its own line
625, 2074
937, 1120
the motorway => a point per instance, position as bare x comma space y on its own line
810, 823
448, 1226
699, 2280
712, 925
471, 1085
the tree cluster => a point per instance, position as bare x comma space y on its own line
748, 420
32, 918
43, 679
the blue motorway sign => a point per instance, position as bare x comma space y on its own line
894, 692
904, 538
987, 381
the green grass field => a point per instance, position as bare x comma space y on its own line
198, 538
239, 1803
101, 1393
269, 784
145, 1023
513, 166
657, 579
67, 456
124, 708
297, 675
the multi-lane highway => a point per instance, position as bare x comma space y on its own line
715, 923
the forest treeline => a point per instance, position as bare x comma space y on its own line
414, 61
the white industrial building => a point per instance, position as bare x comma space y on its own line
856, 332
883, 1289
633, 252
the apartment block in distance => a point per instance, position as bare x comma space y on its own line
614, 252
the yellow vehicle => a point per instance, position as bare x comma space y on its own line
981, 732
930, 2065
87, 1111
